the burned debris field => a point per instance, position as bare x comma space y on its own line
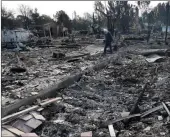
103, 95
57, 79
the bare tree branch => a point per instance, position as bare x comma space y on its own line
101, 12
24, 10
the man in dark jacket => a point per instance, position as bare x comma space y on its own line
108, 41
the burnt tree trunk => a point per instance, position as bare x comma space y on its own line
167, 21
149, 29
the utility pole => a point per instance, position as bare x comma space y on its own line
167, 21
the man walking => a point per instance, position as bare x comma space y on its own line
108, 41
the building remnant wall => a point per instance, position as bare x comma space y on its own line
19, 35
53, 27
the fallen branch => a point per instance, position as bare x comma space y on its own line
144, 114
165, 107
151, 111
105, 124
124, 118
30, 109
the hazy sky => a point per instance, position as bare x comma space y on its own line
50, 7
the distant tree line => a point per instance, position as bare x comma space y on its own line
157, 15
112, 14
31, 17
25, 19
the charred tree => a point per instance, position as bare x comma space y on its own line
167, 21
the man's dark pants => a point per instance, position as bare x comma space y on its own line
108, 44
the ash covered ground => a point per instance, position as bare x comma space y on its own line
100, 97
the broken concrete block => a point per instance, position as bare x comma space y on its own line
33, 123
86, 134
160, 118
125, 114
40, 109
26, 117
20, 124
147, 129
37, 115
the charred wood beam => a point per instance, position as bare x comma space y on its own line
49, 92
